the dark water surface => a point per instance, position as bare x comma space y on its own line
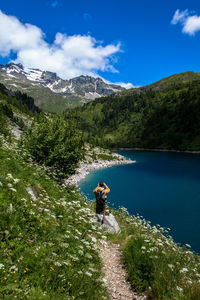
163, 187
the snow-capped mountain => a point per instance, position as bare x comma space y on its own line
84, 88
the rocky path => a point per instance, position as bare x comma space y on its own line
115, 275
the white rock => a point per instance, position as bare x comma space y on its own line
110, 224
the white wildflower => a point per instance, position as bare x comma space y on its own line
88, 274
74, 258
12, 189
23, 199
179, 289
2, 266
1, 184
13, 268
57, 264
78, 232
184, 270
143, 247
65, 245
171, 266
93, 239
88, 255
160, 244
9, 176
16, 180
92, 269
80, 252
93, 227
11, 207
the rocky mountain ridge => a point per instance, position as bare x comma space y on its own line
45, 84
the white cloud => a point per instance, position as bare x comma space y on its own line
127, 85
190, 23
179, 16
68, 56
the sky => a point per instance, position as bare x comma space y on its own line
130, 42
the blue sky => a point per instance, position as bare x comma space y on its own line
122, 41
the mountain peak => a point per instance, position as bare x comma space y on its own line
14, 66
44, 85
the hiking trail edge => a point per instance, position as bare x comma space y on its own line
115, 275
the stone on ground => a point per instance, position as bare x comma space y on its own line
110, 224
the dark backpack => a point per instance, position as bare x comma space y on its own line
100, 197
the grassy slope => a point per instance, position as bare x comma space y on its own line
164, 83
154, 262
48, 245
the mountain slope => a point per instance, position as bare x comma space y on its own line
52, 93
168, 118
173, 81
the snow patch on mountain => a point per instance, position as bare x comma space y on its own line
83, 86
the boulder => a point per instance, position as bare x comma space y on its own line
110, 224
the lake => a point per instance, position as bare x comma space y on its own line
163, 187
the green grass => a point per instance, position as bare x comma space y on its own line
48, 245
154, 262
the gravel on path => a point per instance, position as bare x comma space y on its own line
115, 274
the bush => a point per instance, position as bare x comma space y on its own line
157, 265
4, 112
56, 143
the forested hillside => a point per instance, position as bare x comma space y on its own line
167, 118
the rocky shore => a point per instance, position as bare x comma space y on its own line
85, 167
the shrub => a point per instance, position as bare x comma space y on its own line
4, 112
56, 143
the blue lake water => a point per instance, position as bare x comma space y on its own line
163, 187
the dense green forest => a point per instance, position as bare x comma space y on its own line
166, 119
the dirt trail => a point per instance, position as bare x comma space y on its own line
115, 275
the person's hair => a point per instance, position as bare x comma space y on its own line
101, 184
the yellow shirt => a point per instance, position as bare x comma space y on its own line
98, 188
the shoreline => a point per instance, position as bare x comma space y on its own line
85, 168
157, 150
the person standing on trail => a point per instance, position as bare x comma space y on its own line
101, 192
